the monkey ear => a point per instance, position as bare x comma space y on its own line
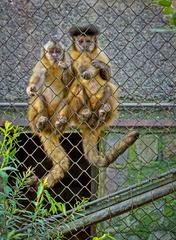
74, 38
95, 39
42, 52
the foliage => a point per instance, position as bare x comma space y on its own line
169, 12
15, 221
104, 237
153, 219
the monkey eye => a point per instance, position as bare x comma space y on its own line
58, 51
51, 51
88, 41
80, 41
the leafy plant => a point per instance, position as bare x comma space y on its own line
15, 221
169, 13
104, 237
152, 219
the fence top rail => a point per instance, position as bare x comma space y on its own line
123, 123
161, 105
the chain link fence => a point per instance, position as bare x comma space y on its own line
143, 68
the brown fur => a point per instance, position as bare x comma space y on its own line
89, 30
44, 108
64, 106
90, 94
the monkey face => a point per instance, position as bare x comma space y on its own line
85, 43
54, 52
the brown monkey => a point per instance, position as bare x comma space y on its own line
48, 87
93, 70
85, 45
93, 75
51, 78
92, 91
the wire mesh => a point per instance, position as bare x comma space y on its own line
143, 70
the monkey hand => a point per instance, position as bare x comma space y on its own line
61, 123
87, 75
63, 65
103, 112
31, 90
41, 123
93, 121
85, 114
97, 64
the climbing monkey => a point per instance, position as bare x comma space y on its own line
93, 72
48, 88
92, 98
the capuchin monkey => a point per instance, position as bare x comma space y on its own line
92, 98
48, 89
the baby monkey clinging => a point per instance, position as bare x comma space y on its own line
92, 96
93, 71
92, 91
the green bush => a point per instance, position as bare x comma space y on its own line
169, 13
15, 221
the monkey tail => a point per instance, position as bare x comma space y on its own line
58, 156
121, 146
90, 142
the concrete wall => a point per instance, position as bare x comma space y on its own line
143, 62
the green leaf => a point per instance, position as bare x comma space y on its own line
55, 205
19, 236
104, 237
10, 234
40, 190
4, 175
49, 197
173, 203
9, 168
2, 130
168, 211
2, 196
7, 189
110, 237
62, 208
165, 3
173, 19
8, 125
168, 11
13, 152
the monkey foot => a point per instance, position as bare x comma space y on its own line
86, 75
31, 90
41, 123
84, 114
33, 182
102, 118
97, 63
63, 65
93, 121
102, 113
60, 123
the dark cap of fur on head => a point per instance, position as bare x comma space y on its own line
89, 30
